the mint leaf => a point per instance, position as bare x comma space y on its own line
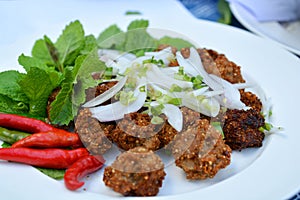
175, 42
8, 105
37, 86
139, 23
27, 62
84, 80
69, 43
40, 51
90, 43
131, 12
61, 109
139, 39
57, 174
111, 38
9, 86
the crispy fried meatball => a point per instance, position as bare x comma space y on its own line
189, 116
200, 151
241, 129
218, 64
136, 129
221, 66
251, 100
91, 133
99, 89
137, 172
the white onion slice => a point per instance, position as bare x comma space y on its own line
107, 94
174, 116
117, 110
231, 98
209, 107
165, 55
156, 76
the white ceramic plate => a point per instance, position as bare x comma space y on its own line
271, 172
285, 34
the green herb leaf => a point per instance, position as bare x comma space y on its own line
139, 39
57, 174
9, 86
111, 38
175, 42
131, 12
72, 94
61, 109
8, 105
83, 79
27, 62
70, 43
37, 86
90, 43
139, 23
41, 51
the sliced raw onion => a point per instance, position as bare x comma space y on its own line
107, 94
156, 76
117, 110
231, 98
165, 55
174, 116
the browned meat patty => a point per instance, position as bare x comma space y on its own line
227, 69
241, 129
101, 88
91, 133
136, 129
137, 172
200, 151
251, 100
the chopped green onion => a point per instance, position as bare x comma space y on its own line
266, 127
175, 88
175, 101
157, 120
126, 97
108, 73
217, 125
140, 53
157, 110
197, 82
142, 89
153, 61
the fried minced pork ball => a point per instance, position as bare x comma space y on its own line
200, 151
218, 64
241, 129
91, 133
251, 100
136, 129
99, 89
228, 70
137, 172
189, 116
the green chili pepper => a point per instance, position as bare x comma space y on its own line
11, 136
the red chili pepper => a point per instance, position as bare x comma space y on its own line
52, 139
24, 123
81, 168
48, 158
